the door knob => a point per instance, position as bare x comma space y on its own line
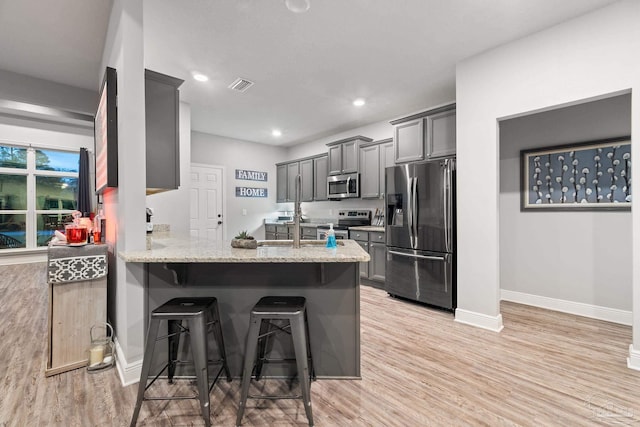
219, 222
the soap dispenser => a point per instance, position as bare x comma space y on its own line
331, 237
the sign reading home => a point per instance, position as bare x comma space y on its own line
251, 192
251, 175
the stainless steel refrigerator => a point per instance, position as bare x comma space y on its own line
420, 232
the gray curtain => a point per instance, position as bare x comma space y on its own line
84, 186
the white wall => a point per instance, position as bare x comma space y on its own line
584, 58
237, 154
18, 87
172, 207
577, 256
125, 205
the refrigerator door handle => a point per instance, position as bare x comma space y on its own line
414, 212
409, 209
447, 207
432, 258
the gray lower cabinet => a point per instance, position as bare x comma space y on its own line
377, 251
373, 242
162, 111
270, 232
308, 233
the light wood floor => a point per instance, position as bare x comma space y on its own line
419, 368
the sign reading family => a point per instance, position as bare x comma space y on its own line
251, 192
251, 175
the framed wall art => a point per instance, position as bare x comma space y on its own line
106, 133
588, 175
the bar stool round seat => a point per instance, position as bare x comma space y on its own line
201, 317
291, 309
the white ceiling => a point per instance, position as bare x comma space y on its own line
399, 55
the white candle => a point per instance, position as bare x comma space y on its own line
95, 355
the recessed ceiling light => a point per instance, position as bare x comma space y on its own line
276, 132
359, 102
298, 6
200, 77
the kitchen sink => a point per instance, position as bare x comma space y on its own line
303, 243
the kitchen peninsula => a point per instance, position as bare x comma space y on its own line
238, 278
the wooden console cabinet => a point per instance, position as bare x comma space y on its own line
77, 278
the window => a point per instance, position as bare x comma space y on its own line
38, 189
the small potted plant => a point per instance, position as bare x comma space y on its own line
244, 241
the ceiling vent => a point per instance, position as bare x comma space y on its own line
241, 84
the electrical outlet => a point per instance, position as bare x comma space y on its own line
244, 212
330, 212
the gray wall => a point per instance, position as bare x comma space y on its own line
236, 154
582, 257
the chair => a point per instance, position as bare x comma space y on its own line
200, 315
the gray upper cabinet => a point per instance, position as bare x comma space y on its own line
409, 139
441, 134
370, 171
374, 157
281, 184
426, 135
293, 169
320, 172
306, 171
162, 112
387, 159
343, 155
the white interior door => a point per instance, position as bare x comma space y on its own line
207, 198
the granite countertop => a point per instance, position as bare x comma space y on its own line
368, 228
167, 247
302, 224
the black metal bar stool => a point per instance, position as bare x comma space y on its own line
201, 316
261, 329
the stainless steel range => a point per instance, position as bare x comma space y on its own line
346, 218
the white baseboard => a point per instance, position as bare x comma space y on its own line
633, 361
587, 310
479, 320
129, 372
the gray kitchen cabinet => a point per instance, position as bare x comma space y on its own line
343, 155
270, 232
308, 233
370, 171
426, 135
320, 173
409, 139
306, 171
293, 169
362, 237
374, 243
441, 134
374, 157
281, 184
386, 159
162, 112
282, 232
377, 251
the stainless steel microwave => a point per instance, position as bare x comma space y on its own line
343, 186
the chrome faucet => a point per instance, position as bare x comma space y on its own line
297, 213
